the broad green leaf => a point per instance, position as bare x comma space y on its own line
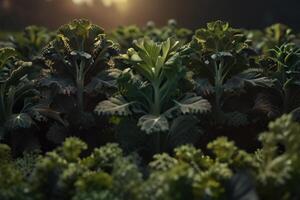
153, 124
63, 85
82, 54
45, 111
235, 119
263, 104
130, 136
184, 130
57, 133
21, 70
204, 87
2, 133
114, 106
5, 55
248, 78
193, 105
104, 80
17, 121
242, 187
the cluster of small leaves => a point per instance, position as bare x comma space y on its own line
106, 173
12, 181
278, 160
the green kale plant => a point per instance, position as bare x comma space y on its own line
20, 104
224, 69
77, 73
283, 65
149, 89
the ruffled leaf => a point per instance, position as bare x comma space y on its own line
16, 121
153, 124
193, 104
114, 106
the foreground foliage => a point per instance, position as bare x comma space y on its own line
227, 172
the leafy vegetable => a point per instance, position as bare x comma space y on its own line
148, 88
77, 72
224, 68
284, 66
16, 89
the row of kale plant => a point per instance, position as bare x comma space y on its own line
149, 89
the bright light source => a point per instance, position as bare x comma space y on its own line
81, 2
109, 3
121, 5
6, 4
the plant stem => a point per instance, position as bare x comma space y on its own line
158, 143
156, 111
286, 100
156, 106
219, 89
80, 89
80, 86
2, 106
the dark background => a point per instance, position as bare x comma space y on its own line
16, 14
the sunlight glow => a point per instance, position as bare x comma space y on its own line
6, 4
81, 2
120, 4
109, 3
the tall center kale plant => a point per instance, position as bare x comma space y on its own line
149, 91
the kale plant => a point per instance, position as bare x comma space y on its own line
77, 71
20, 104
149, 88
224, 69
283, 65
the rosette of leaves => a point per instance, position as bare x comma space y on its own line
283, 65
148, 90
224, 69
77, 72
20, 105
